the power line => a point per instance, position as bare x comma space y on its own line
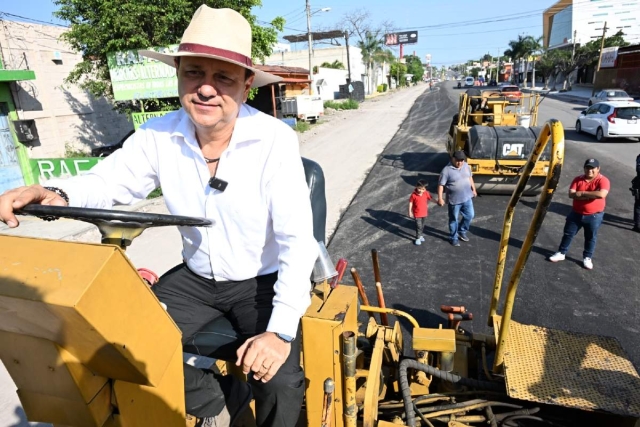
31, 19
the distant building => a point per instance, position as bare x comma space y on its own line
325, 81
568, 21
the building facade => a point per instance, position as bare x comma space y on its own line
570, 22
65, 117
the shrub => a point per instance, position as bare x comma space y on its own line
384, 87
71, 152
155, 193
348, 104
301, 126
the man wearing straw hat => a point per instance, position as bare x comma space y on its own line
221, 159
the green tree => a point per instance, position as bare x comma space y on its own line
414, 67
475, 71
522, 49
398, 70
98, 27
589, 53
565, 63
547, 66
335, 64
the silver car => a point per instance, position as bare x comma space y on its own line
610, 95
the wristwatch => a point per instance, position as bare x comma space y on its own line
285, 338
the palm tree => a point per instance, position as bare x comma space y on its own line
370, 46
518, 49
534, 48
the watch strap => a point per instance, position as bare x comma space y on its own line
285, 338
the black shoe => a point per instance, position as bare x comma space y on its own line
463, 237
636, 229
454, 242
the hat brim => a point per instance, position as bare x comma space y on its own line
261, 78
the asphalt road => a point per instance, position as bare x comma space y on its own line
418, 279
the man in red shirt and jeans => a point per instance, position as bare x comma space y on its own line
588, 192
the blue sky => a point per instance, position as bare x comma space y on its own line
452, 32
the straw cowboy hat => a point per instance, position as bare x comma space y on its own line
221, 34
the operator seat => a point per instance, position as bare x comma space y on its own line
218, 339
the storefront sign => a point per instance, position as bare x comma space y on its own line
138, 77
62, 168
609, 56
140, 118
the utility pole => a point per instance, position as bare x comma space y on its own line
310, 47
604, 32
346, 37
498, 68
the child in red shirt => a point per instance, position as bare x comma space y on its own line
418, 208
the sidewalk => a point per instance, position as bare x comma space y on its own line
577, 93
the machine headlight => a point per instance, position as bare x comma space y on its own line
474, 168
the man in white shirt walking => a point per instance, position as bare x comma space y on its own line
221, 159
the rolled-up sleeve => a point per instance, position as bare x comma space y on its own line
288, 200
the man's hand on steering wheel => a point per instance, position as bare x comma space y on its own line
17, 198
263, 355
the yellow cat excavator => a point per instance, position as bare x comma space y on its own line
497, 133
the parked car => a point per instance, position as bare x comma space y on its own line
610, 95
512, 93
614, 119
105, 150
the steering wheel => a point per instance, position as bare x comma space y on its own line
116, 227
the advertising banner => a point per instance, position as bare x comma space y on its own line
404, 37
46, 169
609, 56
138, 77
140, 118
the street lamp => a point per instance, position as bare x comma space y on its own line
309, 14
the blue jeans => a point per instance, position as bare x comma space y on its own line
574, 223
466, 209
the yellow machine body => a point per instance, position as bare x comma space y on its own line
490, 175
81, 334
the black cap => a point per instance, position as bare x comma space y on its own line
592, 163
459, 155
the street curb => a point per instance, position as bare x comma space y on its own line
560, 96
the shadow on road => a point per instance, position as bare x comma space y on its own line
416, 162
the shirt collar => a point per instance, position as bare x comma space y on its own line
241, 134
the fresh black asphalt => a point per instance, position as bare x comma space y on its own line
418, 279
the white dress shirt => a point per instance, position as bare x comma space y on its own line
262, 222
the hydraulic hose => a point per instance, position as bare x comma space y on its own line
445, 376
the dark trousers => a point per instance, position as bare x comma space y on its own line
573, 224
419, 226
193, 301
636, 212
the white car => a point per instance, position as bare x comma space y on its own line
614, 119
469, 82
610, 95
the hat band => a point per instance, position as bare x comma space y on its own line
208, 50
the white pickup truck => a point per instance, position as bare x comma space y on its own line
304, 107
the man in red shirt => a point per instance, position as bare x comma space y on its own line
588, 192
